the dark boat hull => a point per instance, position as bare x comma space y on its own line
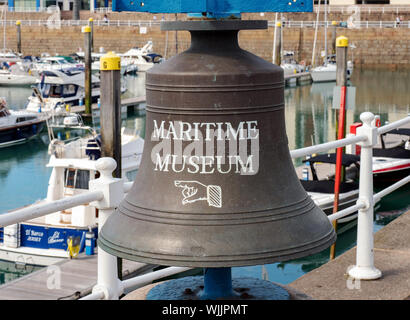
20, 133
387, 178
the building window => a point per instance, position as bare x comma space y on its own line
25, 5
372, 1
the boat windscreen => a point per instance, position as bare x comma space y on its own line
399, 152
400, 131
347, 159
328, 186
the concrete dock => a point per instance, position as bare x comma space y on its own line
66, 280
391, 257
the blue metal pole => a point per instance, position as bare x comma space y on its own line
217, 284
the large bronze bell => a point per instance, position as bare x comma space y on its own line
216, 186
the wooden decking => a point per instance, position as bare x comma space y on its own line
69, 279
125, 103
298, 77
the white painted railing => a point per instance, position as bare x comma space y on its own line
106, 193
362, 24
152, 23
46, 207
363, 8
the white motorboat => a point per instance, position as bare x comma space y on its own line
289, 64
327, 72
57, 88
7, 55
126, 66
322, 190
55, 63
61, 235
391, 164
16, 75
143, 58
17, 127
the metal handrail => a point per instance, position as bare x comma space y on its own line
140, 281
42, 209
303, 152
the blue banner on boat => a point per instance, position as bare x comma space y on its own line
48, 238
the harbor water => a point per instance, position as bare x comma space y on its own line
310, 119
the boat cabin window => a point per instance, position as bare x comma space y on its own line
76, 178
55, 91
70, 90
4, 112
22, 119
57, 62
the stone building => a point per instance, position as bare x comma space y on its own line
64, 5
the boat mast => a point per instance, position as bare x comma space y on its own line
4, 11
314, 41
325, 31
274, 39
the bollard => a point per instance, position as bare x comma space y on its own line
176, 37
18, 25
107, 281
91, 25
278, 54
365, 269
341, 81
325, 30
110, 113
342, 44
87, 60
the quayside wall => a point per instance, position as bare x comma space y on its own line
376, 47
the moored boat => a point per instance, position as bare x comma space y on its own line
143, 58
390, 164
322, 190
16, 75
57, 88
61, 235
327, 72
18, 126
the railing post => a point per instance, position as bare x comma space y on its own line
113, 190
364, 268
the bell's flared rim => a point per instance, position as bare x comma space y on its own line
273, 256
